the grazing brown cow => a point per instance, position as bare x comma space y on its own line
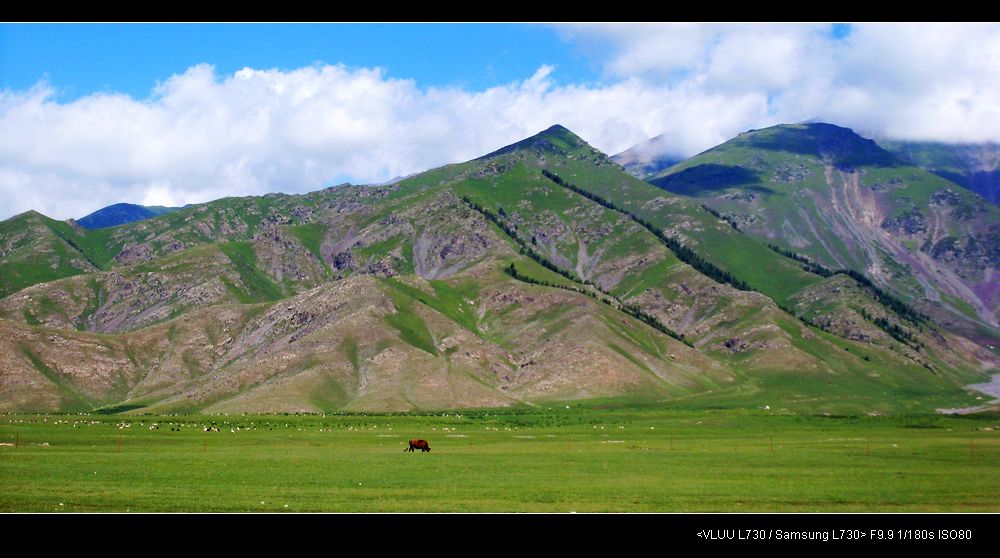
418, 444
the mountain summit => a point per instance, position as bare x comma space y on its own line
121, 213
554, 139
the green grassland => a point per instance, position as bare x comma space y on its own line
595, 456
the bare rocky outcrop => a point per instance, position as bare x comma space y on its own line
302, 214
133, 254
344, 261
380, 267
438, 257
282, 257
908, 223
170, 246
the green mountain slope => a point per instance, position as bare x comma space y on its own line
35, 249
829, 194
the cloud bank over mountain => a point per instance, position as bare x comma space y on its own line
201, 135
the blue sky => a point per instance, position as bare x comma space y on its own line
79, 59
92, 115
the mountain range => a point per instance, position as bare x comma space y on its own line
800, 267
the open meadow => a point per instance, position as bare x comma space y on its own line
554, 458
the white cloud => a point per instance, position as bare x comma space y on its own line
201, 136
915, 81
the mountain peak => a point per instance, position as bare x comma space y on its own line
558, 132
29, 214
557, 129
554, 139
119, 214
841, 146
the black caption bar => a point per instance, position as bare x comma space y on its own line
561, 532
